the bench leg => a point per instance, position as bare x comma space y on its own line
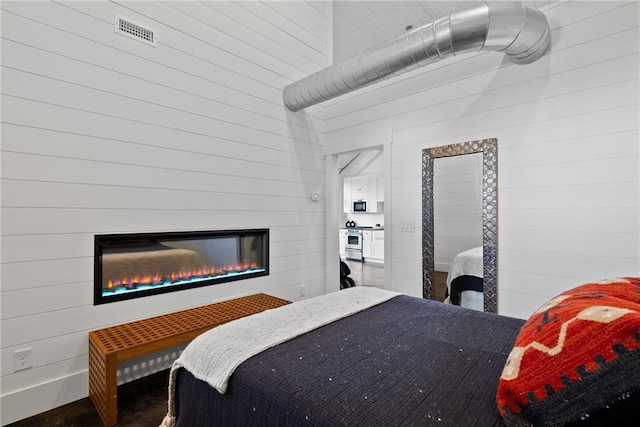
103, 389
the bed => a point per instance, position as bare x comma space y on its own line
389, 361
403, 361
464, 281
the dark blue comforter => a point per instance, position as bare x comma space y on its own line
406, 362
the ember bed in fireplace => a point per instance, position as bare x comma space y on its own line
142, 264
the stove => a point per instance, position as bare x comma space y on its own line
353, 245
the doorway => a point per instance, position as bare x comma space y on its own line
359, 174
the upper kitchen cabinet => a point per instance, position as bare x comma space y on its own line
380, 180
346, 195
359, 187
362, 188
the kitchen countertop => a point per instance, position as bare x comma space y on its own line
360, 227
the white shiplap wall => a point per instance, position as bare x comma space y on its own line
104, 134
568, 149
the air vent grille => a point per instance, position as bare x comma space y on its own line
135, 31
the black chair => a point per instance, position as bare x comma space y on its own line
345, 280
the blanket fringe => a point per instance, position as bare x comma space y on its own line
168, 421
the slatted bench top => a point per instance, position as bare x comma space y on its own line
191, 322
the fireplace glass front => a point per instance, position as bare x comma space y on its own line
142, 264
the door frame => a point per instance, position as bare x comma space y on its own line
335, 205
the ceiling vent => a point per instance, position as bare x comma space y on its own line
133, 30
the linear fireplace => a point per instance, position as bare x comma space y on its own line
142, 264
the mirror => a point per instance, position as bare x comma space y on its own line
457, 228
489, 152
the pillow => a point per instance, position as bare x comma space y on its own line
576, 355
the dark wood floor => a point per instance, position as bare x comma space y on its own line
141, 403
371, 274
439, 285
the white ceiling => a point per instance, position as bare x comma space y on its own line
367, 162
358, 25
361, 24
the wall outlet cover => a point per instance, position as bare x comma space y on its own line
22, 359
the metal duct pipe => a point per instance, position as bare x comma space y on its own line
522, 33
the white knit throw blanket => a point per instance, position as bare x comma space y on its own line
214, 355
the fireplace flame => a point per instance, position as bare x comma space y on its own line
178, 276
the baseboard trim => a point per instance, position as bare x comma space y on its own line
43, 397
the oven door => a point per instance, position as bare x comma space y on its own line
353, 245
354, 241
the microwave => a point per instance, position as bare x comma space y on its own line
359, 205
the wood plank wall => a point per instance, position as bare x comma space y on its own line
105, 134
568, 151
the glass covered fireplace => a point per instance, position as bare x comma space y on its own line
142, 264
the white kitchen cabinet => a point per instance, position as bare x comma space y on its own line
342, 239
360, 187
367, 248
346, 195
363, 188
372, 201
377, 244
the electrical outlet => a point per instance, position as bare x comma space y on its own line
22, 359
302, 293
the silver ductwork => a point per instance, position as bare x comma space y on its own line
521, 32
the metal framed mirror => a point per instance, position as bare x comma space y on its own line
489, 150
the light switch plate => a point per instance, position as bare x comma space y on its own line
408, 226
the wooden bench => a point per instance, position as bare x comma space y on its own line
115, 344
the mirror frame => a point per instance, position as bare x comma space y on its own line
489, 150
